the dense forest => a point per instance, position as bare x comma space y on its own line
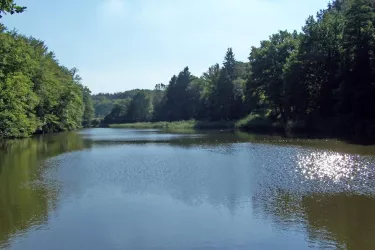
37, 94
104, 102
321, 79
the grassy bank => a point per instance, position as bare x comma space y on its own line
191, 124
253, 122
259, 122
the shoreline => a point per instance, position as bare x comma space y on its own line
257, 126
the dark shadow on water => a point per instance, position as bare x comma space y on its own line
331, 221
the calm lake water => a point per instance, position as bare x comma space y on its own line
146, 189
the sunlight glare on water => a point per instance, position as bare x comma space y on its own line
335, 168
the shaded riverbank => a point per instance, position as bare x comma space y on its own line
256, 123
251, 123
178, 125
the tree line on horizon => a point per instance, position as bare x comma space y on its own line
322, 78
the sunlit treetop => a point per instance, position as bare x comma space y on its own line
8, 6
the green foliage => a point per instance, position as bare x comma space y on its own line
102, 107
224, 100
158, 125
223, 96
37, 95
177, 97
17, 101
89, 112
321, 79
139, 108
105, 102
178, 125
267, 64
117, 115
8, 6
324, 74
259, 120
230, 64
357, 87
215, 97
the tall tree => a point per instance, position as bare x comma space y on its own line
267, 64
230, 64
176, 104
224, 97
140, 108
118, 114
89, 112
210, 78
321, 78
358, 89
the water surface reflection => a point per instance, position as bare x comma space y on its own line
25, 200
129, 189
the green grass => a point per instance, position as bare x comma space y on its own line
250, 123
258, 121
158, 125
178, 125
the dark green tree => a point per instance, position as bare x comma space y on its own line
267, 64
140, 109
89, 112
9, 6
177, 98
117, 115
357, 88
230, 64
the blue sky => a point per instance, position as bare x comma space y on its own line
123, 44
